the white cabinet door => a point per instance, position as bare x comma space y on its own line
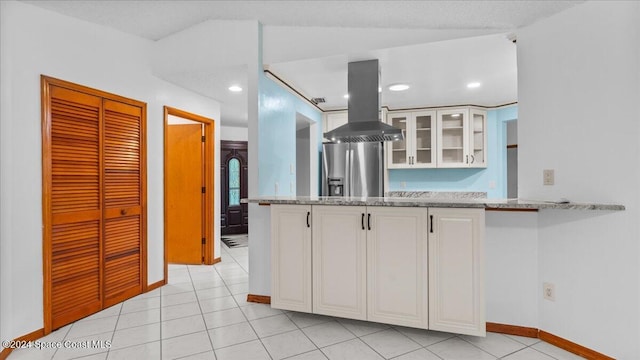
334, 120
339, 261
418, 149
399, 152
477, 138
453, 138
397, 266
291, 257
456, 271
423, 139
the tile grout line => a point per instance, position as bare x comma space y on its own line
394, 329
63, 338
243, 314
202, 314
481, 349
113, 335
303, 333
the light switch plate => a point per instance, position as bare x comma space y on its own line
548, 177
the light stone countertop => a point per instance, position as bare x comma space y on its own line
489, 204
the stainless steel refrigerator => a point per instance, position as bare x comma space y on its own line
352, 169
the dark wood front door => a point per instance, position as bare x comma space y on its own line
235, 216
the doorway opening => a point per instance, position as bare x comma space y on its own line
188, 188
234, 167
306, 156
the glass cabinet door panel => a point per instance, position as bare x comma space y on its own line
452, 138
399, 148
478, 134
424, 139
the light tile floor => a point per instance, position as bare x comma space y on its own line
203, 314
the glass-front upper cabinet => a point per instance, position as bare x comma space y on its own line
398, 154
453, 138
478, 138
417, 150
425, 139
462, 138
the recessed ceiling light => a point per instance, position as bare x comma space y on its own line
235, 88
473, 85
346, 96
398, 87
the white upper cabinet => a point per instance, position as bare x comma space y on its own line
442, 138
333, 120
478, 138
453, 138
462, 138
417, 150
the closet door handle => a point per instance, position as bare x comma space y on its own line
123, 212
369, 221
362, 221
431, 223
308, 214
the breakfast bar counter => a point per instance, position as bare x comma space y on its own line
487, 204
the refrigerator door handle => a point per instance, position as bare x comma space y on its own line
347, 175
350, 169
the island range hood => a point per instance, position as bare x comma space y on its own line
364, 105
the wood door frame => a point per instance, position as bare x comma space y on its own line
209, 161
47, 217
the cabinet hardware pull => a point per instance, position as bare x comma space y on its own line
431, 223
467, 159
473, 159
369, 221
308, 214
123, 211
362, 221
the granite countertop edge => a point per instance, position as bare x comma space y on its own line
488, 204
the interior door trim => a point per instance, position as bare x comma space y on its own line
209, 160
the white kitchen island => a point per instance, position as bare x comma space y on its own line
411, 262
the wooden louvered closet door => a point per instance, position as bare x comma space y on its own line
122, 201
93, 200
74, 205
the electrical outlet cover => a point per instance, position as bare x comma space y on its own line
548, 177
549, 291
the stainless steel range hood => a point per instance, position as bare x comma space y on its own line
364, 105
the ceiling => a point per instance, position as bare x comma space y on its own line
437, 73
435, 46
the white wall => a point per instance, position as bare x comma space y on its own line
511, 273
579, 79
234, 133
34, 42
